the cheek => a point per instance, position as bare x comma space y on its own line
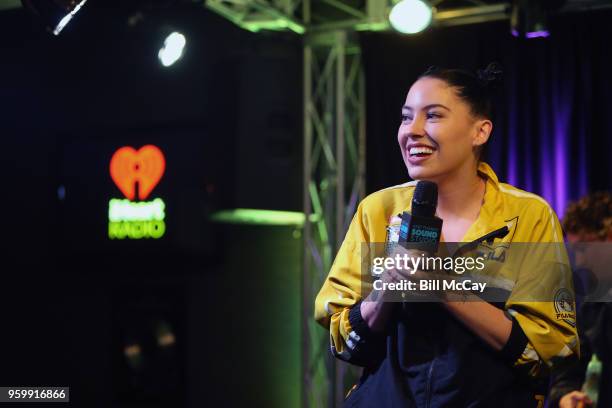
449, 134
402, 136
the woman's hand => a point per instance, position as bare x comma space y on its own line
377, 307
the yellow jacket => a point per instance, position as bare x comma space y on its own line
550, 334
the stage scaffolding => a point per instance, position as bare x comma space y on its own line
334, 145
334, 183
334, 140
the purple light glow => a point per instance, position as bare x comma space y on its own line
512, 139
514, 33
582, 160
546, 131
513, 159
547, 179
536, 34
546, 145
561, 155
561, 150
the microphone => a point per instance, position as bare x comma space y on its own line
421, 228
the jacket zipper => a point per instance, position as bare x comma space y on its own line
498, 233
489, 237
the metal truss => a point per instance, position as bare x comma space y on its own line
334, 174
256, 15
334, 139
301, 16
358, 15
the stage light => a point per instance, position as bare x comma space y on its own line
56, 14
410, 16
172, 50
165, 335
529, 19
133, 354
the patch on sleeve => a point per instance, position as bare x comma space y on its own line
564, 307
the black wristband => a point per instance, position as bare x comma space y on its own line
516, 343
360, 327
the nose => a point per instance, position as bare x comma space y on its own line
415, 128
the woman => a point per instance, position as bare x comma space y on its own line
454, 354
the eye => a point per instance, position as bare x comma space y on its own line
433, 115
406, 117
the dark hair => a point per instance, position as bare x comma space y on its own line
592, 213
477, 89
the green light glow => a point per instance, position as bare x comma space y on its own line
136, 220
126, 210
260, 217
136, 229
278, 24
382, 26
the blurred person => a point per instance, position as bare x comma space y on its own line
588, 220
448, 353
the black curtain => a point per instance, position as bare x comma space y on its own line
552, 130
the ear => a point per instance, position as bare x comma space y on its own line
483, 128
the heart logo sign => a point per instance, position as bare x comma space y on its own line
144, 167
136, 173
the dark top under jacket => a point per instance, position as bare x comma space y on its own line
447, 363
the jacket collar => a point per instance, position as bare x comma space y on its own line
486, 171
488, 218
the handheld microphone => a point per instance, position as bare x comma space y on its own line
421, 228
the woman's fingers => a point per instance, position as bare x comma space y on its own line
575, 399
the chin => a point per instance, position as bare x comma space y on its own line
420, 173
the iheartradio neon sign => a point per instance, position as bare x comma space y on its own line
136, 173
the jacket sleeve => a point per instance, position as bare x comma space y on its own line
542, 304
337, 306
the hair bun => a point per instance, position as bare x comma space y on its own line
491, 74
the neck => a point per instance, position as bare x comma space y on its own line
460, 194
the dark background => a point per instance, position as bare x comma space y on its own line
228, 117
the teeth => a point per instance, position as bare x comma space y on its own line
420, 150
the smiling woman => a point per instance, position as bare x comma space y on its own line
447, 108
446, 122
420, 354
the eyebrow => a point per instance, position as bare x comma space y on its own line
433, 105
